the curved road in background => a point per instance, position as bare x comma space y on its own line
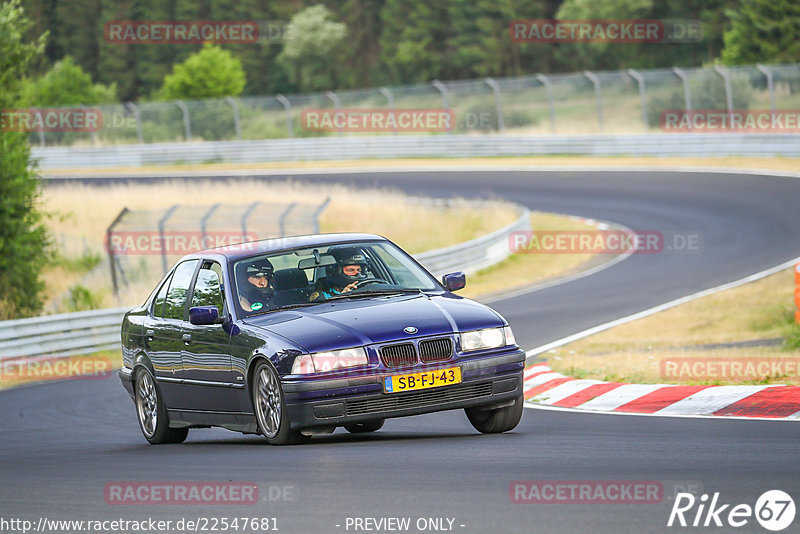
62, 442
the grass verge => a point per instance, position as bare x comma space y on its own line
709, 328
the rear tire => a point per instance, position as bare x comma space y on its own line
497, 420
152, 413
270, 408
367, 426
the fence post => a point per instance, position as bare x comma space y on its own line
92, 133
334, 98
282, 218
203, 222
187, 125
390, 100
687, 94
498, 107
41, 129
598, 95
445, 99
246, 215
770, 85
642, 96
548, 88
728, 91
288, 107
237, 125
110, 248
133, 108
161, 235
318, 212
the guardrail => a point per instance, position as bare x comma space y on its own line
415, 146
63, 335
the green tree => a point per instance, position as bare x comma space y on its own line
66, 84
313, 48
414, 40
763, 31
23, 238
210, 73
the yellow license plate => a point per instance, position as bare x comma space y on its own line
428, 379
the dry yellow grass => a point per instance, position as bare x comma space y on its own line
760, 310
520, 270
780, 164
81, 213
645, 367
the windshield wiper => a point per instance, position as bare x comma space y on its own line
285, 307
382, 292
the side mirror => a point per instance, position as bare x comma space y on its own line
454, 281
204, 315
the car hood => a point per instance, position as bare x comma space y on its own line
343, 323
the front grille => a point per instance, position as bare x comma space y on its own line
435, 350
398, 355
418, 399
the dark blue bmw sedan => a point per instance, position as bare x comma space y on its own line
297, 336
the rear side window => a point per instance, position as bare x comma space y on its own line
158, 303
175, 302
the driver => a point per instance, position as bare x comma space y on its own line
343, 276
256, 293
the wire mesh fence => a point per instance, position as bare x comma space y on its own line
577, 103
142, 244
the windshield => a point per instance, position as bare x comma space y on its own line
310, 276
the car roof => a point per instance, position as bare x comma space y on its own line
234, 252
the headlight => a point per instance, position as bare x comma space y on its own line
328, 361
488, 338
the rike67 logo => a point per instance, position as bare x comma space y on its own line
774, 510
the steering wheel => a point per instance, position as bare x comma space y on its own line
369, 281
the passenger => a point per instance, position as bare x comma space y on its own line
343, 276
256, 292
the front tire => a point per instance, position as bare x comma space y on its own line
152, 413
497, 420
270, 408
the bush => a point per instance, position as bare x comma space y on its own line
23, 238
66, 84
210, 73
81, 298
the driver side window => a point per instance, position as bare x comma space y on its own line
208, 288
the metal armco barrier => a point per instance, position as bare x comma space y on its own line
415, 146
91, 331
61, 335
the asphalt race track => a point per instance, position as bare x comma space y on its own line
63, 442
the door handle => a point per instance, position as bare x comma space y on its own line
187, 338
150, 334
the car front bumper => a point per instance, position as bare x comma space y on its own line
490, 381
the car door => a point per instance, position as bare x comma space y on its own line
205, 350
163, 330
